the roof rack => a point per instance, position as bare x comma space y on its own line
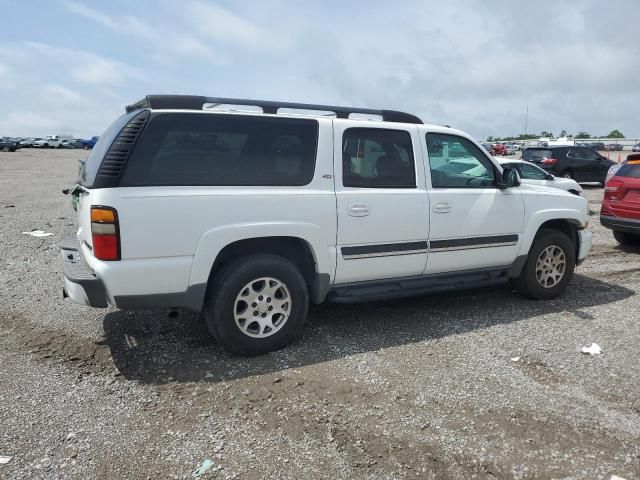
195, 102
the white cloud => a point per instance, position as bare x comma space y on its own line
164, 38
125, 23
218, 24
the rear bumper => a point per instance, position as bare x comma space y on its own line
81, 284
626, 225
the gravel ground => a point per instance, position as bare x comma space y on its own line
419, 388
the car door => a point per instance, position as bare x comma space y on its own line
382, 202
473, 223
598, 165
581, 166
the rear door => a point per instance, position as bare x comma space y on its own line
382, 201
473, 223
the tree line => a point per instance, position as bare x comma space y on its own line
580, 135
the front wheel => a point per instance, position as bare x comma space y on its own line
6, 149
256, 304
549, 268
567, 174
625, 238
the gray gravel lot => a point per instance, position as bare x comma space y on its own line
419, 388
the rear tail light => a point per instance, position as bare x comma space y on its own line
613, 186
549, 161
614, 190
105, 233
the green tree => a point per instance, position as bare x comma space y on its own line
563, 133
615, 134
489, 138
544, 133
583, 135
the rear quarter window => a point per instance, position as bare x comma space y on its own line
89, 170
223, 150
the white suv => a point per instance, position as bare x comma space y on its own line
247, 216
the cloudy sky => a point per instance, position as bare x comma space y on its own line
70, 66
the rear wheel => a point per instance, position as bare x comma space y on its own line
549, 268
625, 238
256, 304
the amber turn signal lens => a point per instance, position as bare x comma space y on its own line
103, 215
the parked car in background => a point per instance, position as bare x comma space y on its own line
487, 147
499, 149
614, 147
70, 144
89, 144
28, 142
7, 145
621, 205
599, 146
533, 175
579, 163
636, 148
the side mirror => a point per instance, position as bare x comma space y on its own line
550, 177
510, 178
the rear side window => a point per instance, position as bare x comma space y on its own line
630, 169
223, 150
536, 154
377, 158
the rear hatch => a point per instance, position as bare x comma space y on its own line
536, 155
623, 191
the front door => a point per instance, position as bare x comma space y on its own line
382, 202
473, 223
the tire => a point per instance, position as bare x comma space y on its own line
528, 284
46, 145
224, 304
625, 238
567, 174
6, 149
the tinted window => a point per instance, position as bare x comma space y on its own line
456, 162
90, 169
377, 158
210, 149
536, 154
589, 154
629, 169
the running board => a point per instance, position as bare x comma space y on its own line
418, 285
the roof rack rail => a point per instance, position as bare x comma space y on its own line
195, 102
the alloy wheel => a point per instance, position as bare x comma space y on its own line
551, 266
262, 307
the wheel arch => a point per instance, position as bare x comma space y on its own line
303, 245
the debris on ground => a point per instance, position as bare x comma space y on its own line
616, 477
4, 460
594, 349
38, 233
515, 359
202, 469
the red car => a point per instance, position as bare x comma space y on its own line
499, 149
621, 205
